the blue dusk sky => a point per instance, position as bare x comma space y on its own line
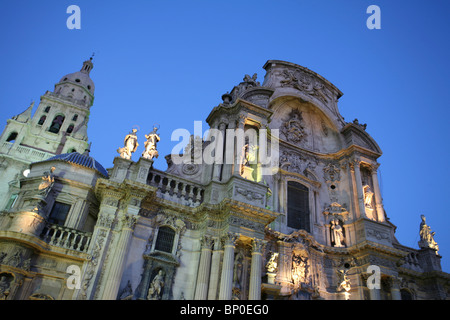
169, 62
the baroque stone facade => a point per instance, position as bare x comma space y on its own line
307, 224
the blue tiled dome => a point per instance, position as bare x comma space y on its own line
81, 160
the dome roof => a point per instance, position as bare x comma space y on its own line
81, 77
83, 160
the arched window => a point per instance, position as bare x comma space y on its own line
70, 128
47, 109
12, 137
75, 117
42, 120
165, 239
56, 124
298, 215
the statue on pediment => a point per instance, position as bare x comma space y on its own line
153, 138
130, 145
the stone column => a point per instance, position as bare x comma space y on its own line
237, 160
215, 267
359, 189
98, 247
378, 199
226, 280
218, 152
255, 273
201, 289
117, 264
395, 289
229, 155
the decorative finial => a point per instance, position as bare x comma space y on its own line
88, 149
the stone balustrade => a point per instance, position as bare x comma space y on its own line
25, 153
176, 189
67, 238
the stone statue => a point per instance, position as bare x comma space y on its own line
272, 264
150, 151
156, 287
130, 145
248, 154
337, 233
237, 275
426, 236
251, 81
48, 180
344, 281
368, 195
368, 207
127, 292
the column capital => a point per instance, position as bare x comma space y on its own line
230, 239
258, 245
129, 221
373, 167
207, 242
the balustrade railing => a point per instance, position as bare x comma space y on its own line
67, 238
176, 189
25, 153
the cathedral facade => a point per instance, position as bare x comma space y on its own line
280, 201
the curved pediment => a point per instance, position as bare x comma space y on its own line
289, 79
355, 134
303, 125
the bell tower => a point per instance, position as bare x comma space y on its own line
59, 125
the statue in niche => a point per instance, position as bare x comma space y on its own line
130, 145
368, 195
426, 236
237, 276
337, 233
368, 202
293, 129
48, 181
248, 153
153, 138
156, 287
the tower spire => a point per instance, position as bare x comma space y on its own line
88, 65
